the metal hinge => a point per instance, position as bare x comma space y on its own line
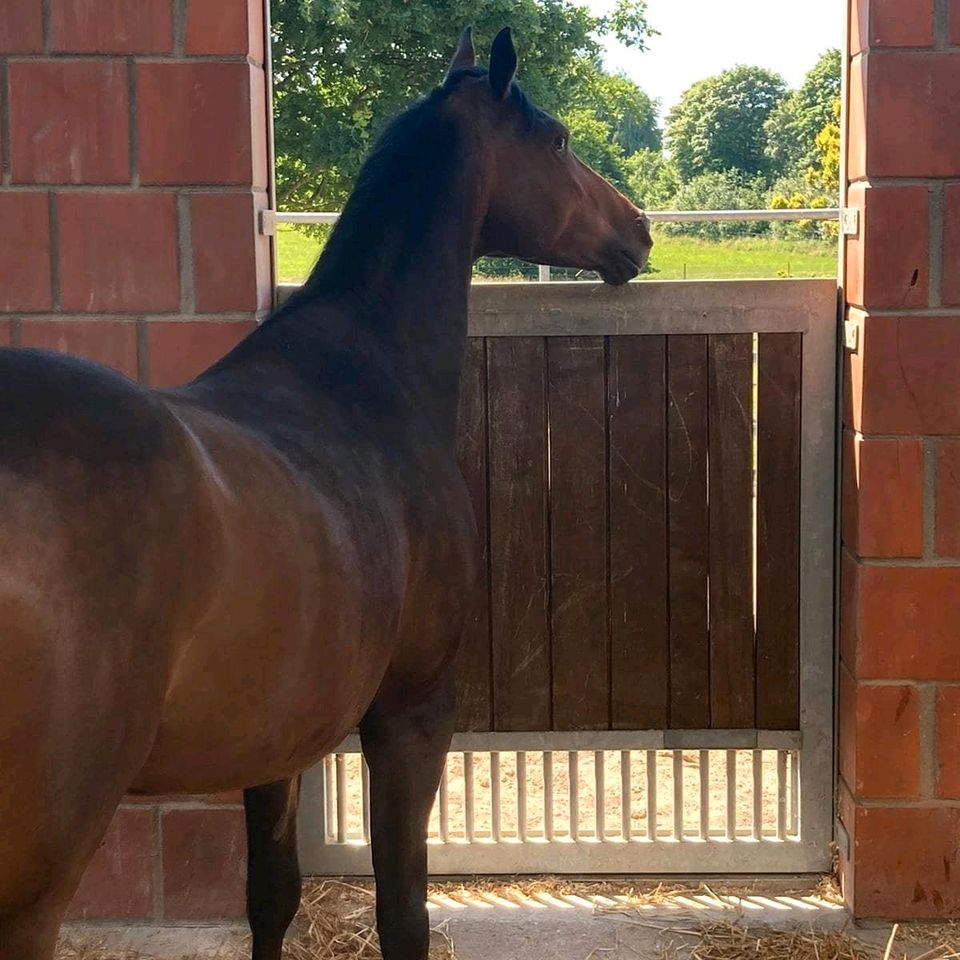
850, 222
268, 223
851, 335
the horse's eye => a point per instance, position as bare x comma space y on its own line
560, 143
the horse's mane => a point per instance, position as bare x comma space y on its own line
413, 160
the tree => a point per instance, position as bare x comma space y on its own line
342, 68
792, 128
627, 111
718, 124
652, 180
725, 190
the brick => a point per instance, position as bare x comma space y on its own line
231, 261
195, 123
891, 23
947, 536
849, 590
847, 726
204, 863
111, 342
225, 27
948, 743
913, 115
857, 123
119, 880
908, 623
905, 376
69, 122
180, 350
882, 497
847, 814
906, 863
880, 739
118, 252
888, 260
955, 22
6, 333
111, 26
25, 252
21, 26
259, 114
950, 291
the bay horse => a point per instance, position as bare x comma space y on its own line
206, 588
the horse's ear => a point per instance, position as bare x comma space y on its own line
503, 63
465, 55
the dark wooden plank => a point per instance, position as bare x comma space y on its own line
516, 372
687, 512
639, 631
778, 531
731, 531
474, 692
578, 533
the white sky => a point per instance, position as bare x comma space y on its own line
702, 37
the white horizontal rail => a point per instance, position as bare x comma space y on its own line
655, 216
270, 218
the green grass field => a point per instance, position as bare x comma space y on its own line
674, 258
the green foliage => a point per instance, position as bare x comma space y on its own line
629, 114
793, 126
726, 190
652, 180
718, 124
342, 68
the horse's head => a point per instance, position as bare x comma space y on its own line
539, 201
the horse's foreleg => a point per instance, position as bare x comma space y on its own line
405, 745
273, 873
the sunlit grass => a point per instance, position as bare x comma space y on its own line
674, 258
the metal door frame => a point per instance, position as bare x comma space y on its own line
808, 307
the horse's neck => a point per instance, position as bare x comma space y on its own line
409, 289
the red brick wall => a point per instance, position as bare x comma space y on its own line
900, 616
133, 164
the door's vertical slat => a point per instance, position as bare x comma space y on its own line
469, 800
495, 811
626, 795
652, 798
341, 766
794, 792
756, 760
778, 531
548, 828
677, 794
731, 530
731, 784
599, 793
518, 533
475, 701
573, 768
782, 794
704, 771
578, 533
521, 795
688, 531
636, 408
330, 797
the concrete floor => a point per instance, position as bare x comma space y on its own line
543, 928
